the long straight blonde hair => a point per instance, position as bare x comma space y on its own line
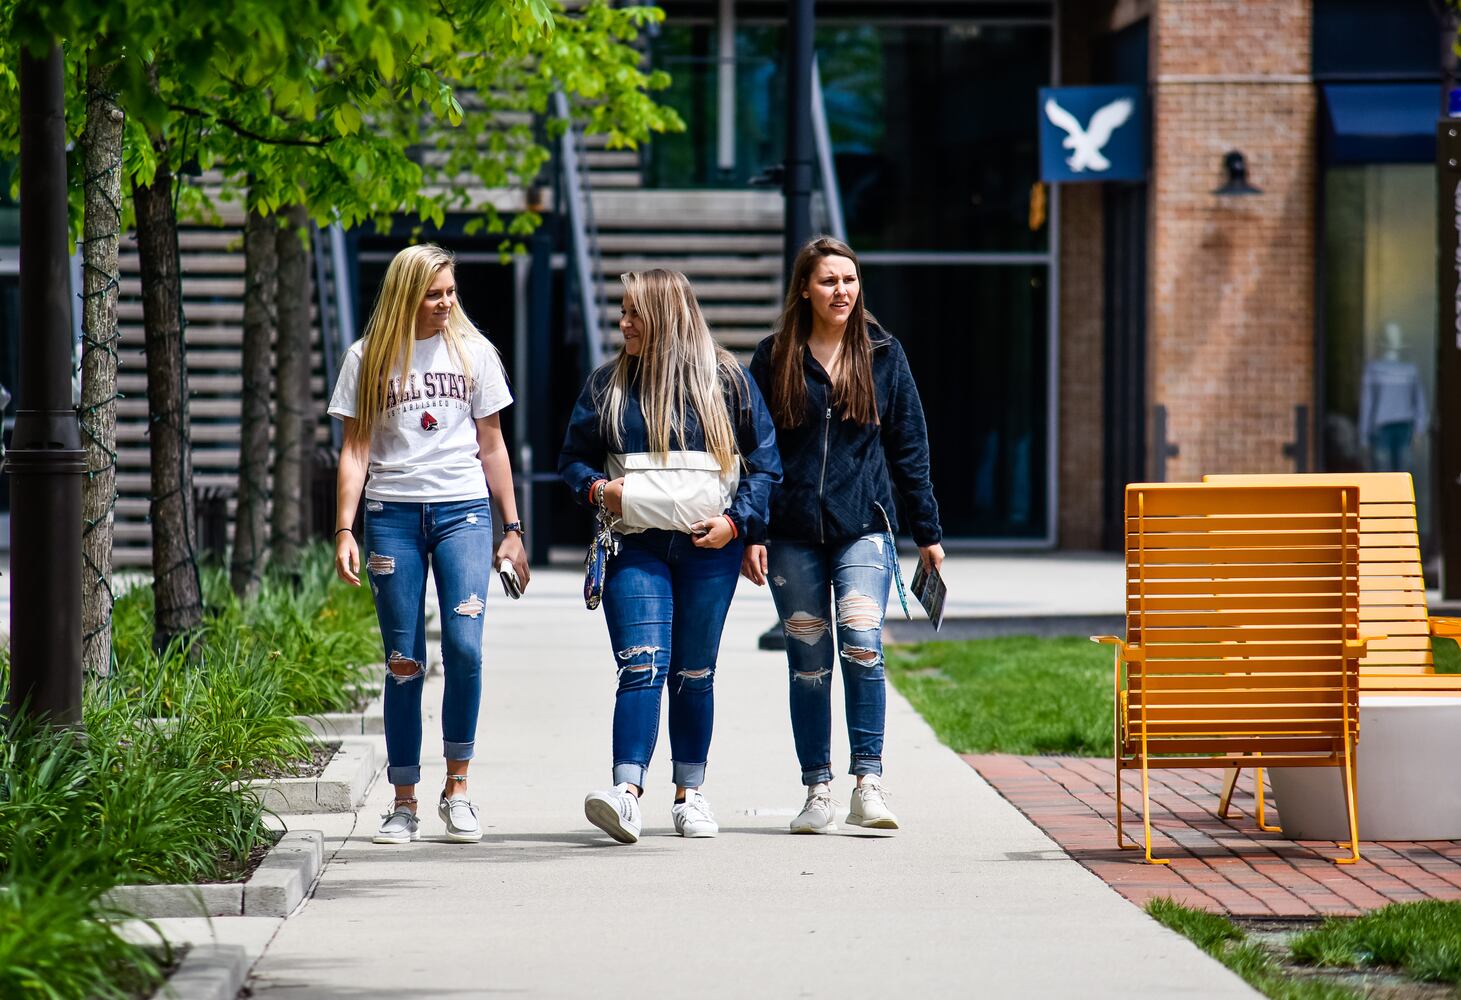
390, 333
681, 368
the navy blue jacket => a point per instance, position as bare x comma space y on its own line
837, 472
585, 452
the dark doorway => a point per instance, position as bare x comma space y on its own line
1124, 354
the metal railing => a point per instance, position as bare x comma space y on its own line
826, 165
582, 234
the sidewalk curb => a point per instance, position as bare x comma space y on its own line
274, 890
341, 788
369, 721
207, 972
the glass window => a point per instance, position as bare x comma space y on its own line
1380, 323
977, 342
933, 126
934, 132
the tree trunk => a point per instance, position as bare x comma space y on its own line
293, 408
251, 524
177, 596
102, 147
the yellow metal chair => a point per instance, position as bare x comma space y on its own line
1242, 633
1392, 595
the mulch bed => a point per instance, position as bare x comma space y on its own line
1224, 866
320, 755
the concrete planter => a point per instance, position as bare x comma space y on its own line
341, 788
1406, 789
273, 890
207, 972
369, 721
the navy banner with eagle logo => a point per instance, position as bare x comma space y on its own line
1092, 134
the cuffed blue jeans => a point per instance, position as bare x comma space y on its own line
401, 540
665, 602
805, 578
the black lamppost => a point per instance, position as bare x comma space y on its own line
46, 461
797, 179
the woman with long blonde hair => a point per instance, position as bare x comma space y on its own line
673, 442
851, 430
420, 395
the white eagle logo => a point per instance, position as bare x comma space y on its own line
1086, 144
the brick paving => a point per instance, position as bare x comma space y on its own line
1225, 866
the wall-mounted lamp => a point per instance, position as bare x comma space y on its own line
1237, 170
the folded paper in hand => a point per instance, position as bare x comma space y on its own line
929, 588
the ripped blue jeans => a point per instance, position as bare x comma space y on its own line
401, 540
665, 602
805, 578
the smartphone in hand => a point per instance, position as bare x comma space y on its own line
511, 585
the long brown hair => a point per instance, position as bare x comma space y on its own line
852, 388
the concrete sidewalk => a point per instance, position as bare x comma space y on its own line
969, 899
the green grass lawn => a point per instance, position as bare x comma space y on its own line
1342, 958
1423, 940
1016, 695
1024, 695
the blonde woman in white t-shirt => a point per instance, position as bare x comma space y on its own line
420, 395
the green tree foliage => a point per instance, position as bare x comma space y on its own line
334, 104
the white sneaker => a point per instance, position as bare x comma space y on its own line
616, 812
460, 817
819, 815
399, 826
693, 817
870, 806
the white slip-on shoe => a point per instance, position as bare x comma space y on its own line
399, 826
869, 808
693, 817
460, 817
616, 812
819, 815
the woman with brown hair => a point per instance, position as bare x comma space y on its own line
847, 417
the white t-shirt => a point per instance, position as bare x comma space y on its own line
424, 447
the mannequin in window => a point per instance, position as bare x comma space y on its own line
1393, 408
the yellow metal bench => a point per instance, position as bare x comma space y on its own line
1392, 594
1242, 633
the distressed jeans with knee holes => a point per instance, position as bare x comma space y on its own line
455, 540
805, 579
665, 602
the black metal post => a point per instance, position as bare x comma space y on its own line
1448, 356
46, 461
539, 389
797, 180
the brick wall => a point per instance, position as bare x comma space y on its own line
1231, 281
1078, 524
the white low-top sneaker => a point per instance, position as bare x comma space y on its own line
869, 808
460, 817
399, 826
819, 815
693, 817
616, 812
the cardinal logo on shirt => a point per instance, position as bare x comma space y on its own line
428, 422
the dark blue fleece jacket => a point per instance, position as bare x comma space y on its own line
835, 473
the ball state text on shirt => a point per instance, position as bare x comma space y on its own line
433, 385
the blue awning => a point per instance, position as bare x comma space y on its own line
1381, 122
